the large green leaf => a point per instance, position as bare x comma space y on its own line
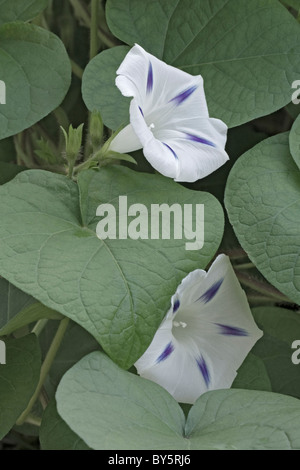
247, 52
22, 10
110, 408
263, 202
99, 91
118, 290
18, 379
281, 328
36, 70
55, 434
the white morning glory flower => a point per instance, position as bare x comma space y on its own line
169, 119
205, 336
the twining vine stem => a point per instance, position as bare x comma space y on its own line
45, 367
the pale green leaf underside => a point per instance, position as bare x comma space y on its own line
18, 379
111, 409
263, 203
21, 10
247, 53
36, 70
118, 290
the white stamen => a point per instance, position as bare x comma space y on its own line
152, 126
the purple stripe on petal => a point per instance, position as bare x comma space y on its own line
211, 292
231, 330
204, 370
141, 111
166, 353
170, 148
150, 78
201, 140
183, 95
176, 306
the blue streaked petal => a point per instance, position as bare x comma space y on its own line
170, 148
176, 306
166, 352
183, 95
231, 330
150, 78
141, 111
211, 292
203, 369
201, 140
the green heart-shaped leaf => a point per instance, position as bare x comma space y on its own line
247, 52
118, 290
110, 408
263, 202
36, 71
21, 10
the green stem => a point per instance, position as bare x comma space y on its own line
70, 170
81, 12
259, 299
94, 29
236, 253
46, 367
39, 326
61, 117
245, 266
76, 69
35, 420
260, 287
98, 155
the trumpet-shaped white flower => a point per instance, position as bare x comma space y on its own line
205, 336
169, 119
